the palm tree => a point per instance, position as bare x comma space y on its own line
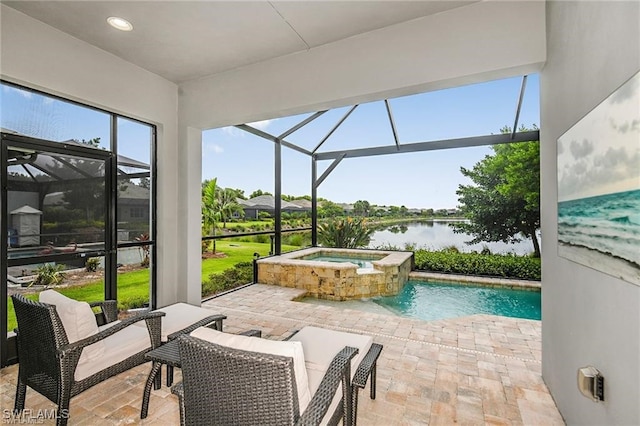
210, 208
228, 205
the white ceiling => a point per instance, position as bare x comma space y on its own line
184, 40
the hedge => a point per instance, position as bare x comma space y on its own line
494, 265
240, 274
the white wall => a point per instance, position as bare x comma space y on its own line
588, 318
479, 42
40, 57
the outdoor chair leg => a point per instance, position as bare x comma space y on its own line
151, 380
169, 376
21, 393
373, 382
354, 406
62, 416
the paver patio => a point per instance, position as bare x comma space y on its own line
474, 370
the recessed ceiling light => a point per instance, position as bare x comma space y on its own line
119, 23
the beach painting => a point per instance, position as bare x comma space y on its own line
599, 186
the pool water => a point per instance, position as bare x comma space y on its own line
361, 262
434, 301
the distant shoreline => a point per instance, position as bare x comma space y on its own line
606, 262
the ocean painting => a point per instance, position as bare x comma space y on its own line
599, 186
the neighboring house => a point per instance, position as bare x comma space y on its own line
347, 209
266, 203
133, 202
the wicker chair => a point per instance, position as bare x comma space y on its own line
48, 363
226, 386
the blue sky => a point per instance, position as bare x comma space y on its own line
241, 160
48, 118
421, 180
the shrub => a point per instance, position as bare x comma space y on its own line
240, 274
298, 239
345, 233
49, 274
92, 263
133, 302
496, 265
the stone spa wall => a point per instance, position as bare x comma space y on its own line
338, 280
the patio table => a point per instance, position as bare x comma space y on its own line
168, 354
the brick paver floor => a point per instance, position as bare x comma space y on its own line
473, 370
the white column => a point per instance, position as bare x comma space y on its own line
189, 282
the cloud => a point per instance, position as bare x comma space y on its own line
626, 91
605, 174
560, 147
625, 127
233, 131
260, 124
213, 148
580, 150
24, 93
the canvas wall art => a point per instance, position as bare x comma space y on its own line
599, 186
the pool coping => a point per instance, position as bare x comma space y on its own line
494, 282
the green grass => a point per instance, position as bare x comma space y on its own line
236, 251
134, 286
246, 224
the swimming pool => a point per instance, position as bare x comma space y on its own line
434, 301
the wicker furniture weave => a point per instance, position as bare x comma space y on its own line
367, 366
225, 386
168, 354
47, 361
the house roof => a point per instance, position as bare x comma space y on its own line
25, 210
267, 202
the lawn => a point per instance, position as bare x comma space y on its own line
236, 251
133, 287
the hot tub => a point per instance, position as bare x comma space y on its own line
338, 274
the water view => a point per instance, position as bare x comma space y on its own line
436, 235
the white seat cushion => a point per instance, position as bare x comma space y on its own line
255, 344
320, 347
179, 316
117, 347
78, 320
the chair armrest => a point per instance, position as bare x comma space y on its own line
109, 309
366, 365
206, 321
154, 325
338, 372
178, 390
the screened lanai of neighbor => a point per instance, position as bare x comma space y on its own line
187, 67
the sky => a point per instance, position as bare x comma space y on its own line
600, 154
414, 180
48, 118
240, 160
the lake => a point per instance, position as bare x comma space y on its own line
437, 234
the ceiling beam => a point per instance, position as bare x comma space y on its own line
272, 138
393, 124
522, 89
334, 128
502, 138
301, 124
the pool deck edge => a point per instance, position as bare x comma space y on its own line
473, 279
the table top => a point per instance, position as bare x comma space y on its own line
169, 353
